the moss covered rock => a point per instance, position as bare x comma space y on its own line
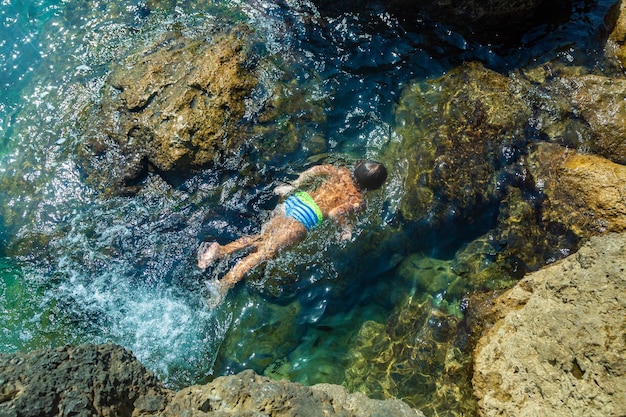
462, 134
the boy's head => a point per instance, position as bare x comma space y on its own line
370, 175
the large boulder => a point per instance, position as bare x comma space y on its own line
560, 342
174, 107
248, 394
86, 380
462, 135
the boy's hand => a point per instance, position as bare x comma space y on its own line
283, 190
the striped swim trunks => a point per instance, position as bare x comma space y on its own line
303, 208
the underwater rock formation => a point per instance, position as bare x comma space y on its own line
462, 136
560, 342
415, 356
171, 108
250, 394
107, 380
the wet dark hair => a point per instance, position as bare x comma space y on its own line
370, 175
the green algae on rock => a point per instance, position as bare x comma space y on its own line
459, 134
414, 356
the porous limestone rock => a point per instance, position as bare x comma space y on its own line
248, 394
108, 381
560, 343
86, 380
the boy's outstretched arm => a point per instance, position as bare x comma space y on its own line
315, 171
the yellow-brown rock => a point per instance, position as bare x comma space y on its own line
600, 101
585, 192
559, 347
173, 107
616, 44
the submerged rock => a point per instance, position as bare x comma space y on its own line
462, 136
415, 355
107, 380
560, 343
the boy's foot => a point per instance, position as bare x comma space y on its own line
216, 294
207, 253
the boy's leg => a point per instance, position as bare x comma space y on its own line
276, 237
211, 251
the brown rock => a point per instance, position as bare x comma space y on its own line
585, 192
616, 44
560, 346
174, 107
600, 101
462, 133
87, 380
248, 394
108, 381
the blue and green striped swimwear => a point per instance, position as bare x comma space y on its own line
303, 208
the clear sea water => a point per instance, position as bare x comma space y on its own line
79, 267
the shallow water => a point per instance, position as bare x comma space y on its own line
78, 266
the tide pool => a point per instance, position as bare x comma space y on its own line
79, 265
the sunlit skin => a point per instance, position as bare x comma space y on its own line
337, 196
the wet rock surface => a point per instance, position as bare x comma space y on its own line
173, 108
587, 193
559, 344
462, 136
481, 145
616, 43
107, 380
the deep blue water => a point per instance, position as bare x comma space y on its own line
80, 267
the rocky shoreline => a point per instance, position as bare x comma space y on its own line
556, 343
559, 340
107, 380
542, 146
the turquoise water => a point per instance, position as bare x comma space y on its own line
78, 266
